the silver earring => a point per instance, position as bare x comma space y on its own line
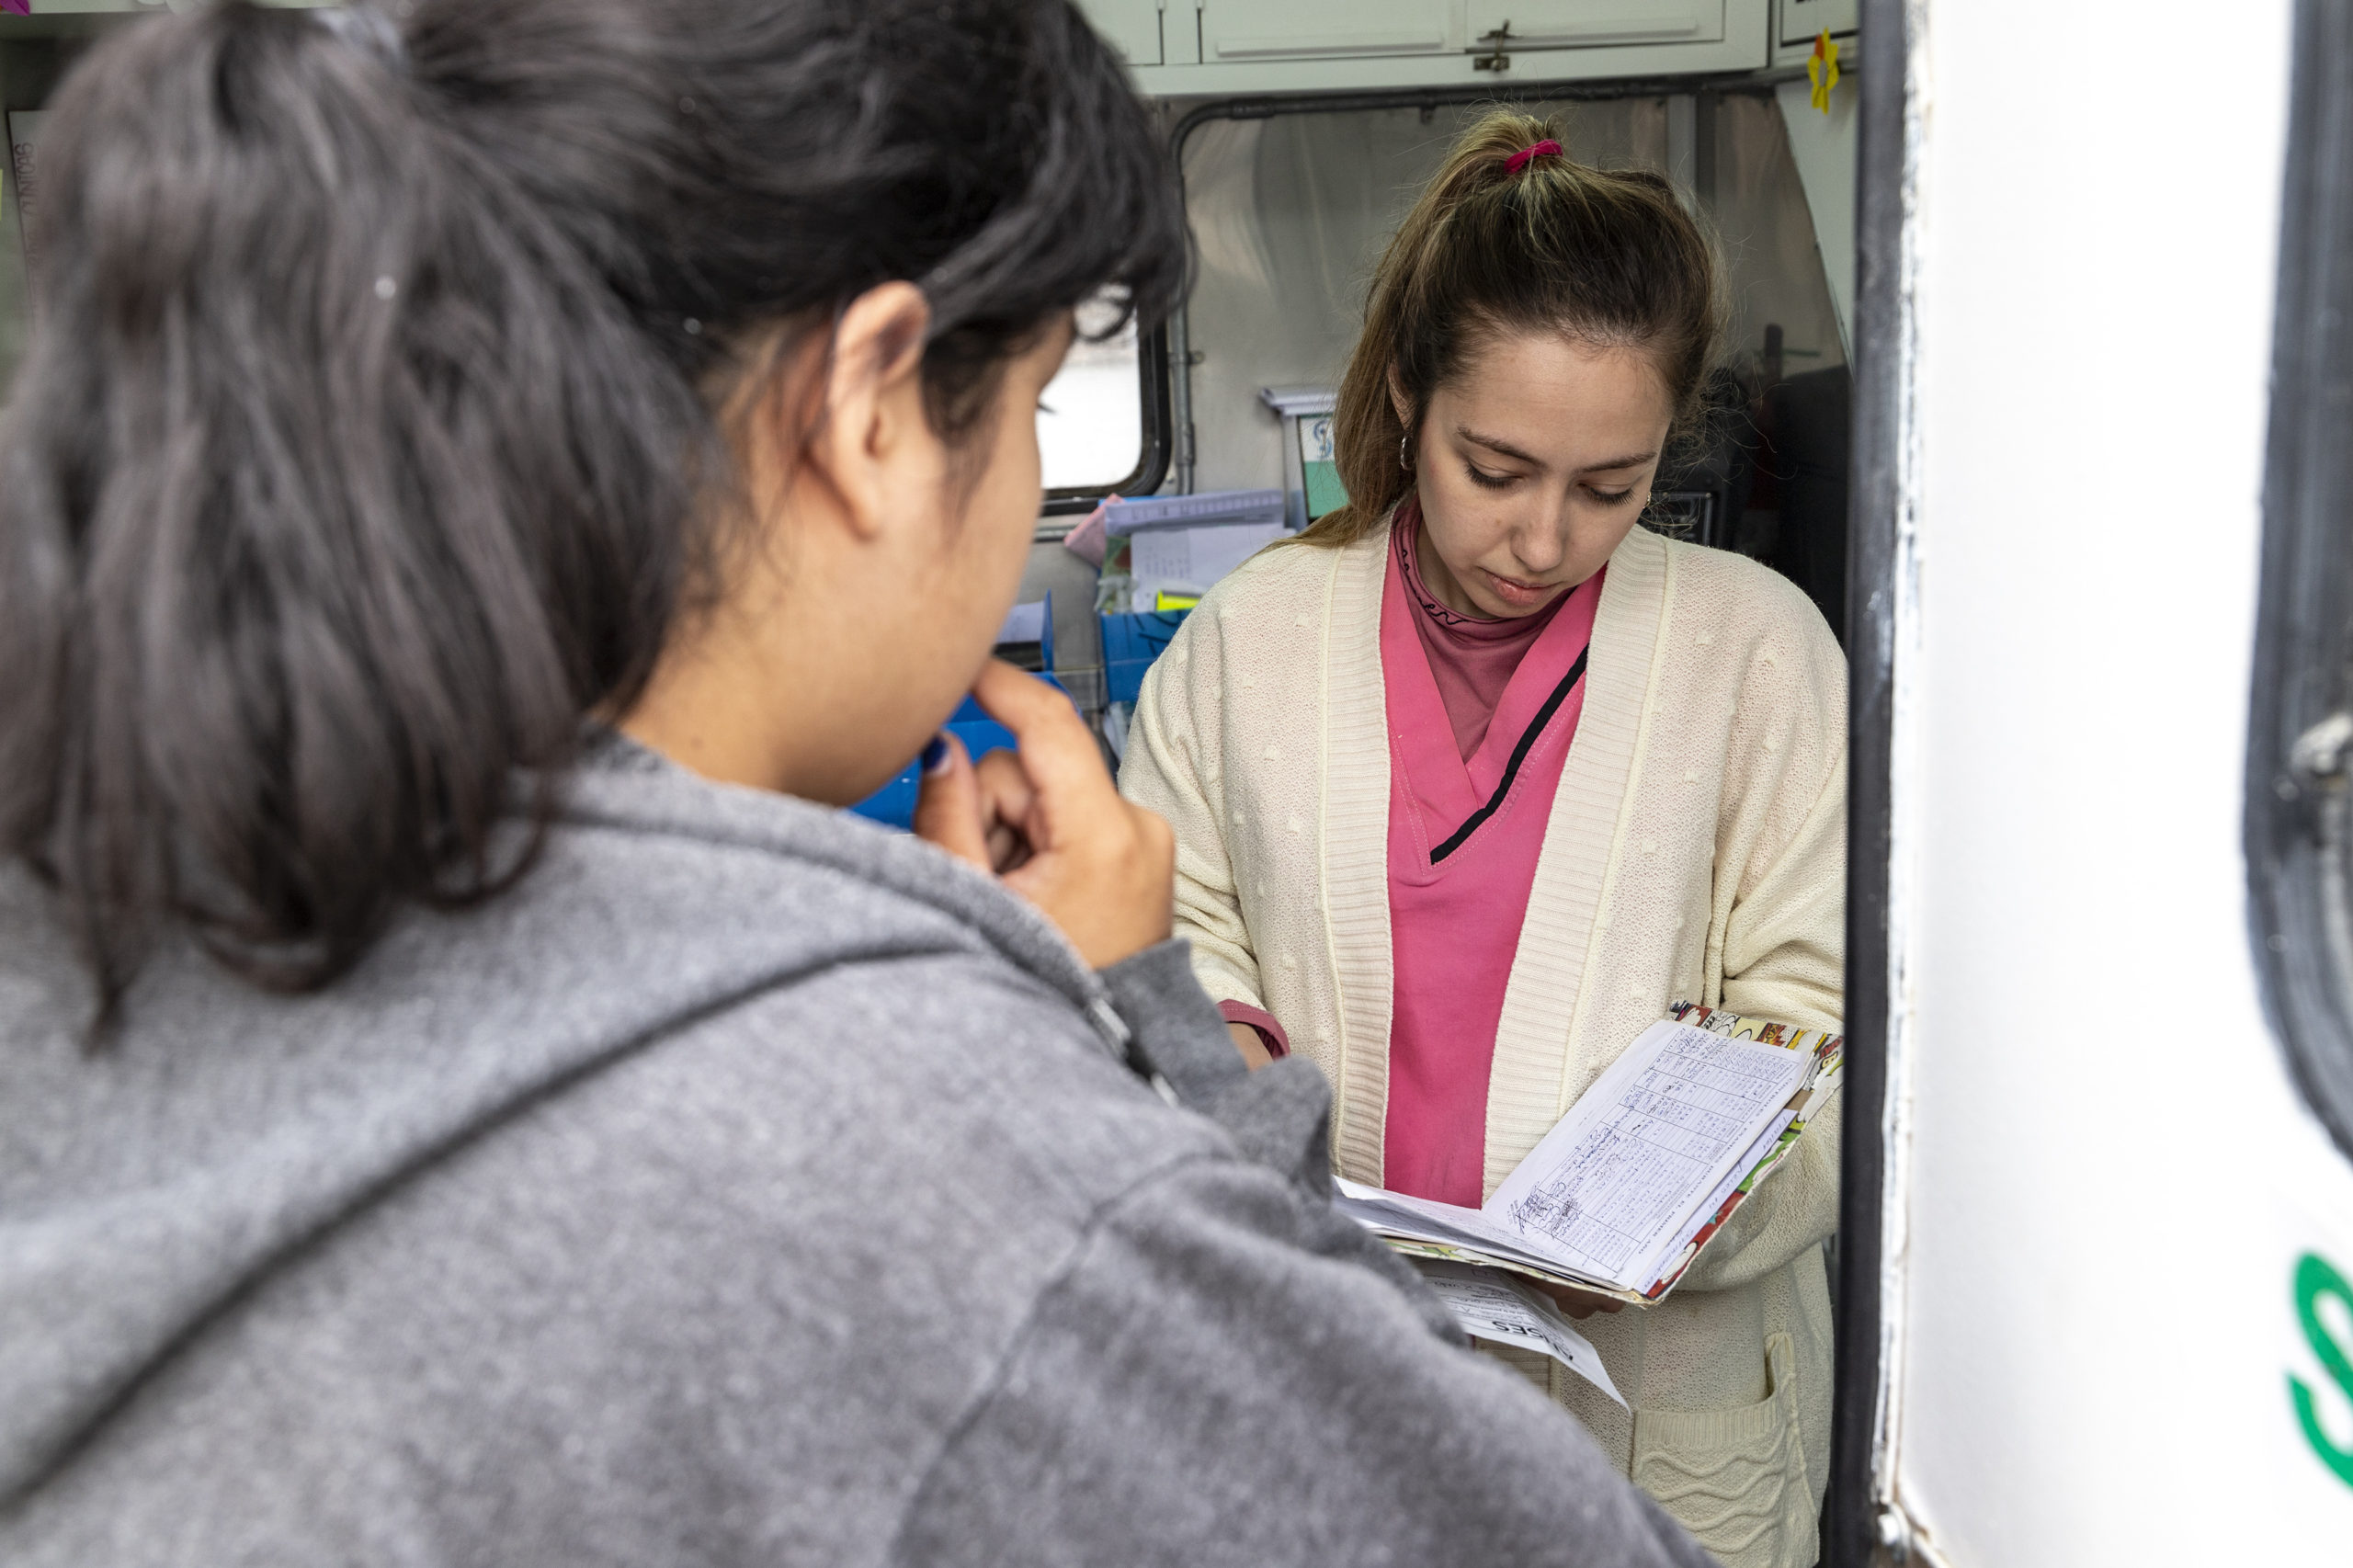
1402, 460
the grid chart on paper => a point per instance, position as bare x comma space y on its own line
1637, 1165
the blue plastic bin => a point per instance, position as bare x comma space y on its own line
1131, 643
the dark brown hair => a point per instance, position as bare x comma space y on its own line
362, 444
1609, 258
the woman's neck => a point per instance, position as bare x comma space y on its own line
1435, 575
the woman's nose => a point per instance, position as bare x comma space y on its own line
1543, 544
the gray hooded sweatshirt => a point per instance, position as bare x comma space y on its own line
748, 1185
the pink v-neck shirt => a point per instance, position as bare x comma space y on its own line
1481, 715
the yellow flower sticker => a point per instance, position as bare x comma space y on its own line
1822, 68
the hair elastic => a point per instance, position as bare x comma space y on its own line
1547, 148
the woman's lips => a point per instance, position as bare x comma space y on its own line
1513, 592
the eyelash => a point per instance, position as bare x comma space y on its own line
1482, 478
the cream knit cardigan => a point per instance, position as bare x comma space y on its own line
1695, 851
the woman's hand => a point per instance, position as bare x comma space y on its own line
1048, 820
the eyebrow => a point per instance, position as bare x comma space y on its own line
1506, 450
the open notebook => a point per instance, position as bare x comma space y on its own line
1644, 1169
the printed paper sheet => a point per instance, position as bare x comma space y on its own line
1611, 1188
1494, 1306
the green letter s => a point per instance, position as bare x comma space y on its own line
2315, 1278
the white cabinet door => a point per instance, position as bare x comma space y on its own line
1555, 24
1130, 27
1801, 19
1238, 30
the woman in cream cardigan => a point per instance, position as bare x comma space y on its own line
1476, 777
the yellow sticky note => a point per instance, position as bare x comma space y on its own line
1822, 69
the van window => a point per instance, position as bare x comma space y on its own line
1090, 421
2300, 749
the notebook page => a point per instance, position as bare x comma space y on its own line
1425, 1220
1426, 1230
1706, 1212
1611, 1185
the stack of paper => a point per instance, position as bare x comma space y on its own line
1179, 545
1646, 1167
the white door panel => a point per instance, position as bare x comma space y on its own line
1306, 29
1558, 23
1801, 19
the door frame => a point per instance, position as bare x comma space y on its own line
1860, 1516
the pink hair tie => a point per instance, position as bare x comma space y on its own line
1547, 148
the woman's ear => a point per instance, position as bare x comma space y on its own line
874, 444
1399, 400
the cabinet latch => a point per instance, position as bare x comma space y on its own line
1497, 42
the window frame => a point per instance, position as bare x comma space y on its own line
2298, 826
1858, 1515
1858, 1506
1151, 459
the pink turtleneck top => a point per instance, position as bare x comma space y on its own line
1481, 715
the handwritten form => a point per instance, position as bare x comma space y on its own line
1615, 1186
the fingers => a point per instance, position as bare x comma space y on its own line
1057, 749
975, 810
949, 810
993, 813
1055, 829
1109, 884
1006, 800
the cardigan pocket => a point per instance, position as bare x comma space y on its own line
1736, 1478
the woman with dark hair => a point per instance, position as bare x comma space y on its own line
483, 488
1477, 777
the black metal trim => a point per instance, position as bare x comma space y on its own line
1518, 755
1152, 464
2296, 826
1849, 1533
1849, 1526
